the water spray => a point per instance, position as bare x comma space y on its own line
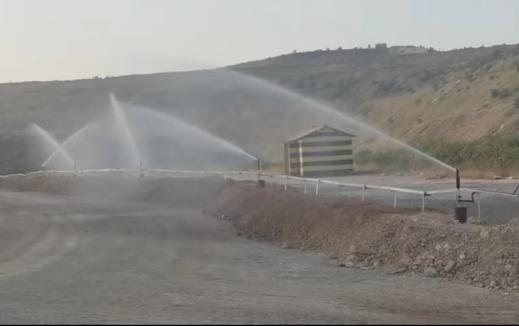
63, 146
127, 132
341, 116
50, 141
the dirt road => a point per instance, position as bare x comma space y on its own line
80, 260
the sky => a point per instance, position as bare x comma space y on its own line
73, 39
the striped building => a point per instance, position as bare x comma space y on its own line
320, 152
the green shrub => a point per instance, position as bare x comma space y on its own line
500, 93
389, 159
492, 152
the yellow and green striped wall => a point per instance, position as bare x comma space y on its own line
320, 152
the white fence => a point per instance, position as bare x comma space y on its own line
310, 185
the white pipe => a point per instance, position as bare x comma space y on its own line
410, 191
226, 175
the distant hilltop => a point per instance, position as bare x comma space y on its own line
384, 48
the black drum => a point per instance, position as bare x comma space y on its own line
460, 214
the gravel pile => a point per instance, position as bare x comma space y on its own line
366, 235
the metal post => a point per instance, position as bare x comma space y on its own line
305, 187
286, 182
75, 169
363, 192
259, 170
423, 202
479, 207
394, 198
317, 187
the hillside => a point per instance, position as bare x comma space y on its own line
456, 98
460, 105
461, 95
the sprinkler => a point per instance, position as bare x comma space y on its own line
141, 171
261, 183
460, 212
458, 180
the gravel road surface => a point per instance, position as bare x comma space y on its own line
80, 260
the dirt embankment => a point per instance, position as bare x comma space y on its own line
364, 235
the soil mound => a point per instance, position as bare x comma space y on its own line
369, 235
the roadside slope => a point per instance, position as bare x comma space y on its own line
368, 235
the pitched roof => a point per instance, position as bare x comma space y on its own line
316, 129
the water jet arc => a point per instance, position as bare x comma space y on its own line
53, 142
129, 137
343, 116
64, 144
195, 130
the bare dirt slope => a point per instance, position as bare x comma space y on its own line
97, 259
458, 95
369, 235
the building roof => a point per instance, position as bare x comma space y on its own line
308, 133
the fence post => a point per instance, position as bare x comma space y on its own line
286, 182
423, 201
317, 187
363, 192
394, 199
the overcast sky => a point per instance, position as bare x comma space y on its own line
69, 39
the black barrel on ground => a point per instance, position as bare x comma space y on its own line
460, 214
